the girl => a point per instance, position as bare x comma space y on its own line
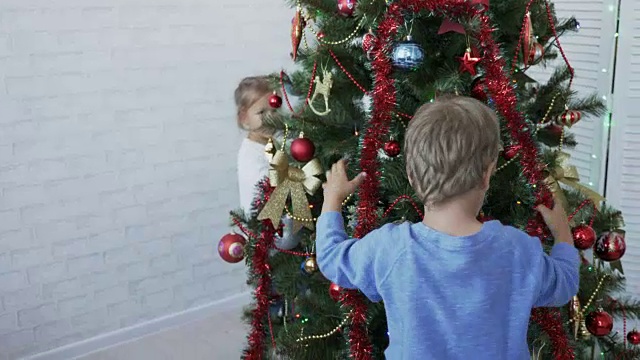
252, 102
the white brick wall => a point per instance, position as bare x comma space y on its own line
117, 158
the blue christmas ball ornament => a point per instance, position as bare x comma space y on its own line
407, 55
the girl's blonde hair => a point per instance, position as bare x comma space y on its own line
250, 90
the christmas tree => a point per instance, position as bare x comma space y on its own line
363, 68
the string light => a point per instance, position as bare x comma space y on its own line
307, 220
324, 336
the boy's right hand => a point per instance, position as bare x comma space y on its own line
557, 221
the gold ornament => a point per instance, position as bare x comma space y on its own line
310, 265
568, 175
294, 182
297, 28
323, 87
269, 149
580, 331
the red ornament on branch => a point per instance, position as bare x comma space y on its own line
231, 248
568, 118
610, 246
346, 7
527, 38
479, 89
584, 236
555, 130
368, 43
511, 151
599, 323
468, 63
634, 337
302, 149
335, 291
275, 101
392, 148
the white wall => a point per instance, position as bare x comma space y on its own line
623, 190
590, 52
117, 158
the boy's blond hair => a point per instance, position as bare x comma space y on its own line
449, 146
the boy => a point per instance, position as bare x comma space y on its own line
454, 288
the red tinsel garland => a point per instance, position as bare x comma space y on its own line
551, 322
260, 268
384, 101
384, 97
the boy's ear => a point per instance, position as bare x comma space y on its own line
486, 179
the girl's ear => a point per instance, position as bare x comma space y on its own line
242, 117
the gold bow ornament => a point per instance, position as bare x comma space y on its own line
564, 173
294, 182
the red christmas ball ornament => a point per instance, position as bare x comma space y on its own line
392, 148
555, 130
335, 291
583, 236
479, 89
610, 246
368, 43
599, 323
634, 337
320, 35
275, 101
346, 7
302, 149
231, 248
511, 151
568, 118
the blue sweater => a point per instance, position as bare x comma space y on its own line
450, 297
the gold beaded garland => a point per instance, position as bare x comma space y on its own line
546, 119
591, 299
324, 336
313, 219
349, 37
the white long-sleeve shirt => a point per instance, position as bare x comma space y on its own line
253, 166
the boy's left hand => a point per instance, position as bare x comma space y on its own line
338, 186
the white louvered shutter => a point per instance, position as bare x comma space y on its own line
590, 53
623, 181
